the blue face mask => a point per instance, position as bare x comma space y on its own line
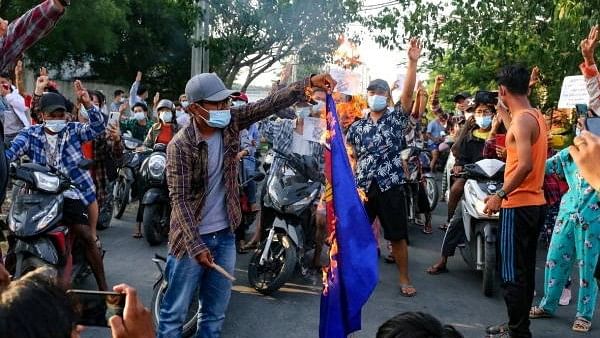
303, 112
484, 122
218, 118
377, 103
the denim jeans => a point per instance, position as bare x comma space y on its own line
185, 275
249, 164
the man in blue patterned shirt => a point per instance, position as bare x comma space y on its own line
57, 143
377, 141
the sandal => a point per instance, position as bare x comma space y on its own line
444, 227
436, 270
582, 325
496, 330
427, 230
537, 312
137, 235
404, 290
389, 259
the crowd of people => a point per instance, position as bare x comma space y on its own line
212, 133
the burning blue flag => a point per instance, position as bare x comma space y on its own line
352, 274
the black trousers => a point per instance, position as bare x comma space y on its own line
519, 231
455, 234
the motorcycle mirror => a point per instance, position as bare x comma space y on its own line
85, 164
258, 177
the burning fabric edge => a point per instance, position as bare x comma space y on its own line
352, 275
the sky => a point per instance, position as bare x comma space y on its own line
380, 62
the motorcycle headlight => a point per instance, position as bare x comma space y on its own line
130, 145
273, 194
156, 166
49, 183
50, 216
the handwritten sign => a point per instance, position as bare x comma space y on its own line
314, 128
573, 92
348, 82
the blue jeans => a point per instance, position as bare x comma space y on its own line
185, 275
249, 164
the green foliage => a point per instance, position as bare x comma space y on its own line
469, 41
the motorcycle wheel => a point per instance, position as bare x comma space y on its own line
121, 197
105, 216
191, 320
433, 194
277, 270
151, 223
489, 270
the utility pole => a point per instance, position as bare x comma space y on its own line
200, 57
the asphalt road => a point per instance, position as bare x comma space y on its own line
454, 298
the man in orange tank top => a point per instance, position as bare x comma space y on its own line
520, 201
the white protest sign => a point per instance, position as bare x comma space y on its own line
313, 129
348, 82
573, 92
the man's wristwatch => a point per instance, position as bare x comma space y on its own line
502, 194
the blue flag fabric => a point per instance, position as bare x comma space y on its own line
353, 271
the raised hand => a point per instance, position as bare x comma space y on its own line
3, 27
323, 81
42, 81
138, 76
82, 94
589, 44
534, 77
19, 68
156, 98
439, 79
414, 49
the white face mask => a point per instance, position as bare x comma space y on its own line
185, 104
166, 116
139, 116
83, 113
317, 108
55, 126
179, 113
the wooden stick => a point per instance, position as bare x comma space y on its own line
223, 272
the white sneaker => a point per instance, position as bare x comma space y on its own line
565, 298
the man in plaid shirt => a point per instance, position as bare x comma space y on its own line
57, 143
202, 171
24, 32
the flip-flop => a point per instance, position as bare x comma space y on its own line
406, 294
432, 270
537, 312
137, 235
582, 325
389, 259
443, 227
427, 231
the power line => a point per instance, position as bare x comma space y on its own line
380, 5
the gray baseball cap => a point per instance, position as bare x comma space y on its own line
207, 87
378, 84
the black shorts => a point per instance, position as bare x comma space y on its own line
75, 212
597, 273
390, 207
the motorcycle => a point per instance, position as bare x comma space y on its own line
155, 200
248, 215
420, 176
127, 185
483, 178
38, 237
292, 192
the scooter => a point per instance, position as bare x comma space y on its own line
420, 176
292, 192
155, 201
483, 178
38, 237
128, 185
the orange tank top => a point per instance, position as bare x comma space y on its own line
87, 149
530, 191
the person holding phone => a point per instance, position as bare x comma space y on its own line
35, 306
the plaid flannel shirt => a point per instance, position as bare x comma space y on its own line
31, 141
281, 134
187, 170
25, 31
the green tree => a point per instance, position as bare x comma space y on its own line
469, 41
